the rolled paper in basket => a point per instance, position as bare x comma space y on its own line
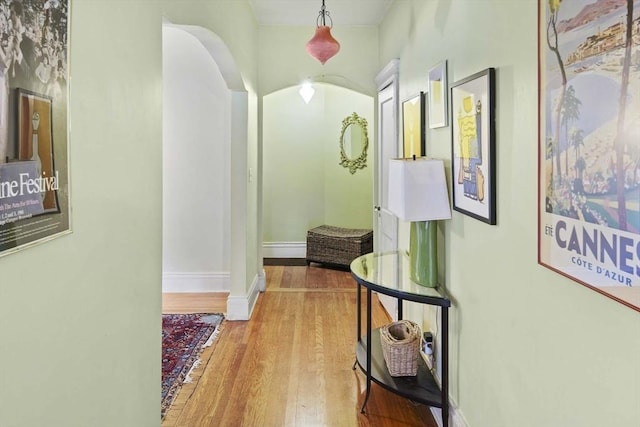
399, 331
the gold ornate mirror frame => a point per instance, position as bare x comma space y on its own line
361, 162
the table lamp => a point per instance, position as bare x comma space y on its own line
418, 193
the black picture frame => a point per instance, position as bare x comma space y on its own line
473, 146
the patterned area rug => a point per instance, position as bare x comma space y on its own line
184, 336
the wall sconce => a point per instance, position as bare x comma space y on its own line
306, 91
418, 193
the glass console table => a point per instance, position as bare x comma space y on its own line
388, 273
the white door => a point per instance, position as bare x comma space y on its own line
387, 148
386, 224
386, 238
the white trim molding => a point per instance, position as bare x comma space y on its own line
240, 307
284, 249
196, 282
388, 74
456, 419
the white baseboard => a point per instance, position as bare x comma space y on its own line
284, 249
196, 282
456, 419
240, 307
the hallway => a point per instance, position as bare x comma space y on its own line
291, 364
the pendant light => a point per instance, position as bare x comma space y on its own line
306, 91
322, 45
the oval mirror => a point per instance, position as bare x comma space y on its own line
354, 143
352, 140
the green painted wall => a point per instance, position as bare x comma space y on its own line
80, 315
304, 184
529, 348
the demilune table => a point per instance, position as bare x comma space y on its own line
388, 273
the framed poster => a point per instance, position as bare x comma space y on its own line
34, 183
413, 126
473, 146
438, 94
588, 145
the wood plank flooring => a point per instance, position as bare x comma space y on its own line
212, 302
291, 364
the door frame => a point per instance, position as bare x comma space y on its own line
389, 75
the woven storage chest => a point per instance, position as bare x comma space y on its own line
337, 246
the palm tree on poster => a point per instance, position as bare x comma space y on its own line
552, 43
570, 113
621, 140
550, 150
577, 140
580, 166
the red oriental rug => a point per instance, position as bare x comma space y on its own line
184, 336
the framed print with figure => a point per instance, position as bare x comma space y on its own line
473, 146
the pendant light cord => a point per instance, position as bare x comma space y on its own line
321, 16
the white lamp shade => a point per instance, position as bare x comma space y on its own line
418, 189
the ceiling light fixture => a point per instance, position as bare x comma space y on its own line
306, 91
322, 45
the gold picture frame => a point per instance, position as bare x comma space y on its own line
413, 137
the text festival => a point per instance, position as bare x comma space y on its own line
28, 185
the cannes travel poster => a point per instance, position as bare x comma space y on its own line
589, 144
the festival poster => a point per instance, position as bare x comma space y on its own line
34, 184
589, 144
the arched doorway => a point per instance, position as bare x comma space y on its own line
204, 162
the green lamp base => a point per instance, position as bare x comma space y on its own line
423, 262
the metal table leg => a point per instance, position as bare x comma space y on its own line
358, 318
366, 398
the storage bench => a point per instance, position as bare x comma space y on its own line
337, 246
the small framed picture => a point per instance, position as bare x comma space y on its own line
473, 151
413, 126
438, 96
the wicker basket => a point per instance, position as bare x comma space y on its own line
401, 347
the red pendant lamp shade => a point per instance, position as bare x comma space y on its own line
322, 45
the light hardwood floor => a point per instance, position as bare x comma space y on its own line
291, 364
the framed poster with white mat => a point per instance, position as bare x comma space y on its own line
34, 159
